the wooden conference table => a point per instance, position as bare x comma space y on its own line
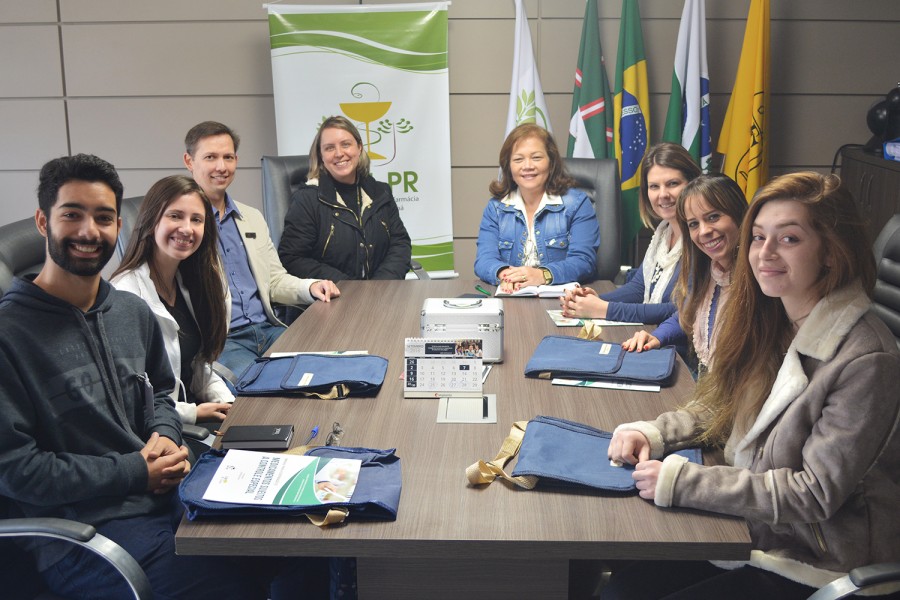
451, 540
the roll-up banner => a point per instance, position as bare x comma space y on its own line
385, 68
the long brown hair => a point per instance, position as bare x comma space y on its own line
756, 331
558, 179
201, 272
670, 156
721, 193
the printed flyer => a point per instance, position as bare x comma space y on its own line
247, 477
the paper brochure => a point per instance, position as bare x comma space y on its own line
247, 477
562, 321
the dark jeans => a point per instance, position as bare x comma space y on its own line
697, 580
246, 344
151, 541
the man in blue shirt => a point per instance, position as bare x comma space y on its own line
256, 278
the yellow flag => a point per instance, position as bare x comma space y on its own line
744, 138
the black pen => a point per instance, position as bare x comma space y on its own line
484, 408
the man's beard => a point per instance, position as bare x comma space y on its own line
84, 267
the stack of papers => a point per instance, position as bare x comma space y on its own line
562, 321
541, 291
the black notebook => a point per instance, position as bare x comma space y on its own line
258, 437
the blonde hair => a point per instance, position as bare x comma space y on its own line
315, 150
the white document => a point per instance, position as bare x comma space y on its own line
329, 352
561, 321
247, 477
471, 409
608, 385
541, 291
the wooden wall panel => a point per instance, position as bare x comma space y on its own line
32, 11
166, 59
19, 195
31, 65
34, 131
99, 11
480, 56
154, 128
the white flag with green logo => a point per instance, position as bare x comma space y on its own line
687, 120
384, 67
526, 98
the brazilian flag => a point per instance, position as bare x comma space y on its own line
631, 106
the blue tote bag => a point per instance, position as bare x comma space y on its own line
574, 358
376, 496
326, 376
555, 451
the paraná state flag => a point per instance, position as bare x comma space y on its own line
591, 126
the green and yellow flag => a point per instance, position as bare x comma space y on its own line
631, 109
743, 140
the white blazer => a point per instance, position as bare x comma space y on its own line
207, 385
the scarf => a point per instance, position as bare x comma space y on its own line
659, 264
705, 334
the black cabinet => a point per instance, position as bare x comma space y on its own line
875, 184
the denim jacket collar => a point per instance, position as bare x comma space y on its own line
513, 203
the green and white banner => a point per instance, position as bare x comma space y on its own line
385, 68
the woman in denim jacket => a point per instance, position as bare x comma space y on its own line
537, 228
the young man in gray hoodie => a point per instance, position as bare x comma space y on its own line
88, 430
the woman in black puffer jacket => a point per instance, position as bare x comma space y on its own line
343, 224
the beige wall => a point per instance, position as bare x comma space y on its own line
125, 79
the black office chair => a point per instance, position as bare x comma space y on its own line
281, 177
21, 251
886, 298
599, 177
858, 579
128, 213
19, 577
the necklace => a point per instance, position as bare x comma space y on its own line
166, 292
799, 321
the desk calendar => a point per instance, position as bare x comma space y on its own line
436, 368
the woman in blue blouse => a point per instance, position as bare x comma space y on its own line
710, 211
666, 169
537, 228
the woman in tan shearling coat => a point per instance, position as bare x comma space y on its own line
804, 401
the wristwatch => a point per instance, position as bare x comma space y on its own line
548, 276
